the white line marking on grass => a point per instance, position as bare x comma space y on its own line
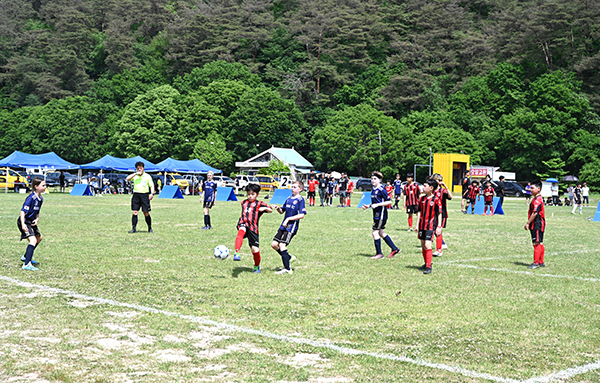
523, 272
517, 256
564, 374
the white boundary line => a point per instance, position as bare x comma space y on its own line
564, 374
522, 272
517, 256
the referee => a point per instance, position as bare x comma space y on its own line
143, 191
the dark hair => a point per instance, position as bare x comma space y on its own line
410, 175
501, 178
253, 188
537, 184
139, 163
36, 182
431, 182
377, 174
474, 183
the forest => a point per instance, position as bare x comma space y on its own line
512, 83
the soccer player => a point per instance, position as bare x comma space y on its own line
577, 198
472, 194
444, 195
390, 190
28, 222
247, 226
323, 188
209, 196
379, 202
342, 187
294, 210
536, 224
397, 191
330, 189
312, 188
349, 192
488, 197
465, 183
411, 198
429, 221
143, 192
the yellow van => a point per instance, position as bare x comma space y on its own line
15, 180
267, 182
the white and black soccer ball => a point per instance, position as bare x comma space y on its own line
221, 252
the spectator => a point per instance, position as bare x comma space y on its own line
554, 190
585, 191
570, 190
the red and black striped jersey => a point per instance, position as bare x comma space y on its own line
473, 192
251, 215
429, 210
537, 206
489, 190
442, 195
411, 192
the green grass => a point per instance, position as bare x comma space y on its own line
477, 310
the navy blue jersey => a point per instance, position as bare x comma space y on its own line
378, 195
210, 189
32, 206
331, 187
292, 206
397, 187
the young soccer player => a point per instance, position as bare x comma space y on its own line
342, 187
143, 192
247, 226
465, 183
488, 197
429, 220
397, 191
330, 189
294, 210
349, 192
411, 198
379, 202
444, 195
312, 188
577, 199
28, 222
472, 194
209, 196
536, 224
390, 190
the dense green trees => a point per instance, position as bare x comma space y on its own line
513, 83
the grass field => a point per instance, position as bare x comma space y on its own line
108, 306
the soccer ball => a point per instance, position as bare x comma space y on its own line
221, 252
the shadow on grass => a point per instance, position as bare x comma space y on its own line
521, 263
365, 255
414, 267
238, 270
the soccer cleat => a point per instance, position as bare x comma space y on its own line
32, 261
150, 230
29, 266
483, 214
444, 246
257, 269
205, 228
394, 252
292, 258
490, 214
437, 253
132, 231
543, 264
410, 229
236, 257
284, 271
427, 270
378, 256
533, 266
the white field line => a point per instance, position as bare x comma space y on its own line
524, 272
564, 374
517, 256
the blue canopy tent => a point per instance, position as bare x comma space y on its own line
148, 166
192, 166
107, 162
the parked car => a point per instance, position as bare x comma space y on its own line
267, 182
171, 179
363, 184
53, 178
243, 180
513, 189
195, 182
13, 181
224, 181
114, 178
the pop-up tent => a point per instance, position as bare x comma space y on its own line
45, 161
107, 162
192, 166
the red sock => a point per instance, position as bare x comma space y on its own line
410, 221
491, 210
239, 239
428, 257
542, 251
536, 254
439, 241
424, 252
256, 258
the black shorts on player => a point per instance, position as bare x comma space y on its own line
310, 194
32, 230
398, 195
209, 204
379, 224
471, 200
252, 238
537, 235
488, 203
283, 236
140, 200
412, 209
426, 235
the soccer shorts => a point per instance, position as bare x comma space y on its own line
32, 230
465, 195
310, 194
140, 200
379, 224
252, 237
537, 235
283, 236
209, 204
471, 200
577, 201
412, 209
426, 235
488, 203
397, 196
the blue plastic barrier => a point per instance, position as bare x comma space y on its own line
280, 196
81, 190
226, 194
365, 199
170, 192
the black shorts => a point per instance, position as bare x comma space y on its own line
209, 204
398, 196
379, 224
251, 235
465, 195
32, 230
310, 194
471, 200
488, 203
537, 235
283, 236
412, 209
577, 201
140, 200
426, 235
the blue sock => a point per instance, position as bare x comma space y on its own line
389, 242
378, 246
285, 257
29, 254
